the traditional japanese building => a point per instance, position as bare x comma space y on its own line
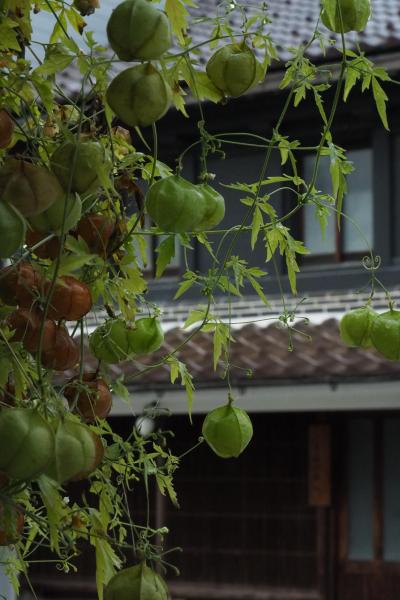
311, 510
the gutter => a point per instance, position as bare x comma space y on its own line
317, 397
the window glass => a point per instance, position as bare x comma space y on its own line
358, 205
360, 486
391, 490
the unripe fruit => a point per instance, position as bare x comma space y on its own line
71, 299
385, 334
76, 452
77, 164
26, 325
355, 327
6, 129
146, 337
215, 207
12, 522
64, 354
26, 443
20, 284
139, 96
96, 230
234, 69
12, 230
137, 30
90, 398
136, 583
110, 341
353, 15
28, 187
51, 220
176, 205
227, 430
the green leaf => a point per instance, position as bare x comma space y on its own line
107, 562
320, 106
56, 510
56, 60
74, 262
220, 341
178, 15
179, 369
8, 37
195, 316
258, 289
380, 98
256, 225
166, 252
185, 285
352, 76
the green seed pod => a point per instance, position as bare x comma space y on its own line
175, 204
146, 337
354, 14
12, 230
110, 342
26, 443
139, 96
234, 69
30, 188
227, 430
75, 451
385, 334
77, 165
355, 327
136, 583
51, 220
215, 207
137, 30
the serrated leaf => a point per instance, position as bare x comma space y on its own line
184, 286
55, 508
165, 252
257, 223
71, 263
380, 98
178, 16
258, 289
220, 341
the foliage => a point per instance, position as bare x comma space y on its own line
102, 259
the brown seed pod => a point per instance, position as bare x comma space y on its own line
6, 128
49, 249
91, 398
63, 355
96, 231
12, 522
71, 299
20, 284
27, 325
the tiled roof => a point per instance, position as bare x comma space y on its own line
293, 21
260, 355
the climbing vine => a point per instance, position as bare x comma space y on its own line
79, 206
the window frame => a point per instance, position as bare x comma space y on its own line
338, 257
378, 563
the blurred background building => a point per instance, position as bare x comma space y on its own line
311, 510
